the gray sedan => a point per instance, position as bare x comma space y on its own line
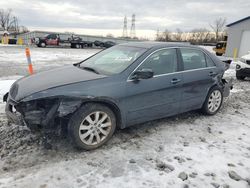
118, 87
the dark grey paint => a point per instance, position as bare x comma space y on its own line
136, 102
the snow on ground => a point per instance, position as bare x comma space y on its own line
13, 60
205, 148
4, 88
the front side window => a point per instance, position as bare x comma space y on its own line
193, 59
113, 60
161, 62
51, 36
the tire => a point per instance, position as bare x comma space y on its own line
77, 46
83, 127
43, 44
213, 101
240, 77
218, 54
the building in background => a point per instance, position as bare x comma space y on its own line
238, 37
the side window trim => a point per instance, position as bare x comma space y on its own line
208, 57
178, 64
205, 57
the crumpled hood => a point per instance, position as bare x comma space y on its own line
50, 79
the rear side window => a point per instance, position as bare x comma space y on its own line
161, 62
210, 63
193, 59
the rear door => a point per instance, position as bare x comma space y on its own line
156, 97
198, 77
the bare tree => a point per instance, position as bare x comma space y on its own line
6, 19
15, 24
218, 27
178, 35
163, 36
200, 35
166, 35
10, 22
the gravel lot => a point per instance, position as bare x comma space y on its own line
188, 150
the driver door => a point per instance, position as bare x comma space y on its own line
156, 97
52, 39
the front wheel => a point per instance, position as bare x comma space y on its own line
213, 101
91, 126
43, 44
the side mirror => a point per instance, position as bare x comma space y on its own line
142, 74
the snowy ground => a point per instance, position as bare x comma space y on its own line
13, 60
206, 148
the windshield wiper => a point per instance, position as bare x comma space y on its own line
91, 69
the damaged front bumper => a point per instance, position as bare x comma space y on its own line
39, 113
30, 114
12, 114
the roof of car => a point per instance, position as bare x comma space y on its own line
155, 44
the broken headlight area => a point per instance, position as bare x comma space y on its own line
39, 113
47, 113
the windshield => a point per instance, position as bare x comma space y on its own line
113, 60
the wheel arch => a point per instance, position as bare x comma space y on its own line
109, 103
208, 91
115, 109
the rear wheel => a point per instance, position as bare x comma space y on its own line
91, 126
213, 101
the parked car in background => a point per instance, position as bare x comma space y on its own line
109, 44
121, 86
61, 40
243, 67
99, 43
220, 48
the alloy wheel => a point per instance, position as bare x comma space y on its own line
214, 101
95, 128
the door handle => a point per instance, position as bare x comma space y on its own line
212, 74
175, 81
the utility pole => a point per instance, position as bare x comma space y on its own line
125, 29
132, 31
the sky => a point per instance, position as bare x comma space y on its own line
101, 17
